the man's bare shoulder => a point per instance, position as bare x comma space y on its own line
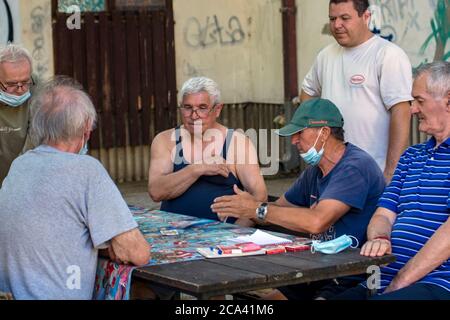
165, 136
164, 140
240, 137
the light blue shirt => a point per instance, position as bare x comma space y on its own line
56, 210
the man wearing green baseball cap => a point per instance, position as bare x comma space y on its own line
335, 196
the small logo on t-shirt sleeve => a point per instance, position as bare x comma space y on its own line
357, 79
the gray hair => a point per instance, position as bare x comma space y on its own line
438, 81
13, 53
338, 133
60, 111
201, 84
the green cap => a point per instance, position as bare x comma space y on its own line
314, 113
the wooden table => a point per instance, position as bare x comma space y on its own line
214, 277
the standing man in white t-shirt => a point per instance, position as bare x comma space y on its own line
370, 81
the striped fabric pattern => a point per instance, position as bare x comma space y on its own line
420, 195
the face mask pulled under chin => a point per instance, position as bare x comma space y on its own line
12, 100
312, 157
84, 150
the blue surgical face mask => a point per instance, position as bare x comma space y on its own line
334, 246
12, 100
84, 150
312, 157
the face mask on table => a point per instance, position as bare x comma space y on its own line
334, 246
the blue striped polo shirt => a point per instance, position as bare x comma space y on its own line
420, 195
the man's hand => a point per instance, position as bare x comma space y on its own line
376, 248
241, 205
113, 256
212, 166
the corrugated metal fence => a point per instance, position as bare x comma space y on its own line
126, 61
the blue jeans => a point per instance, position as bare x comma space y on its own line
417, 291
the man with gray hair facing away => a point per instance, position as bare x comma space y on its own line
194, 163
58, 206
15, 83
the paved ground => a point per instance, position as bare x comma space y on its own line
135, 193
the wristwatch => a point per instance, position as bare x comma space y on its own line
261, 211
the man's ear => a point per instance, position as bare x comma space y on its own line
218, 109
367, 15
326, 132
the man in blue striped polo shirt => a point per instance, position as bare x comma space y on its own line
412, 221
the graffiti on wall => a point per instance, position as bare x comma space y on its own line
212, 32
84, 5
6, 23
38, 18
421, 28
440, 31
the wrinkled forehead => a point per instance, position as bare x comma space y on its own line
198, 98
15, 71
342, 8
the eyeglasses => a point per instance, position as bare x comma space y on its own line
15, 86
202, 111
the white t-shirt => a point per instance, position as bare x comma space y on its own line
364, 82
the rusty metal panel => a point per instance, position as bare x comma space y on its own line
106, 80
133, 78
62, 47
171, 64
289, 12
120, 78
126, 62
93, 76
146, 67
160, 80
79, 54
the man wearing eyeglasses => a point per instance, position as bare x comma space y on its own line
200, 160
15, 83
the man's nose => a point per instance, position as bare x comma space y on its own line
21, 90
195, 115
337, 24
414, 109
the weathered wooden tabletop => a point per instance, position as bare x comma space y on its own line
213, 277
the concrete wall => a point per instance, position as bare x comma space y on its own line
33, 29
405, 22
408, 24
237, 43
312, 33
9, 25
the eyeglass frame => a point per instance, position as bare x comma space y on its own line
196, 111
16, 86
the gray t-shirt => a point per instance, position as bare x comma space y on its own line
56, 210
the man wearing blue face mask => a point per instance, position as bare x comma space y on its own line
335, 196
15, 83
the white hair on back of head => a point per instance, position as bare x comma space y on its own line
14, 53
201, 84
60, 111
438, 81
